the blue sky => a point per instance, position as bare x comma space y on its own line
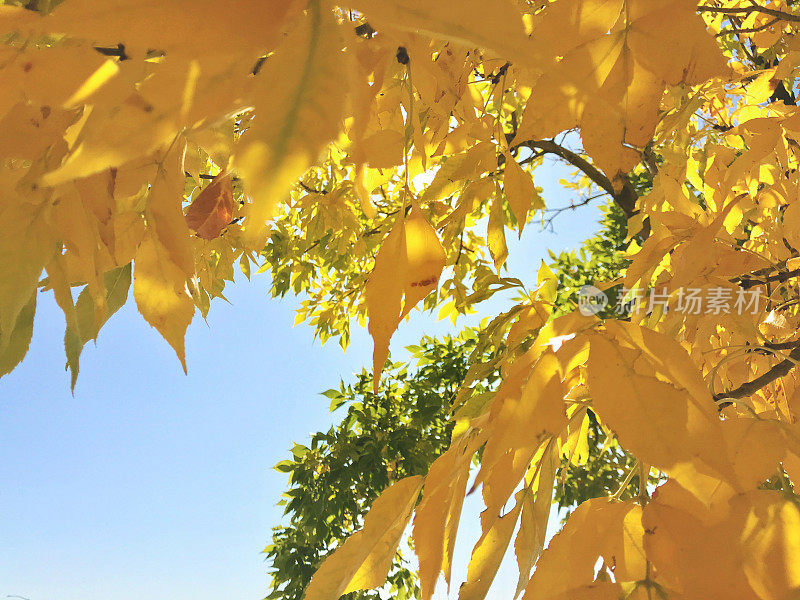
149, 483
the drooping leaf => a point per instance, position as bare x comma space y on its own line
437, 517
14, 344
597, 529
488, 554
746, 547
407, 268
301, 92
363, 561
84, 320
497, 27
160, 293
520, 191
534, 518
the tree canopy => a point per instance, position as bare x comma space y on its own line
374, 155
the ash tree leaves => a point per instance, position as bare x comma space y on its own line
380, 438
15, 343
84, 325
211, 211
298, 117
164, 261
615, 60
365, 558
407, 269
497, 27
334, 120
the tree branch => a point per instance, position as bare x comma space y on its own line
118, 51
562, 209
625, 198
751, 387
746, 10
748, 30
746, 281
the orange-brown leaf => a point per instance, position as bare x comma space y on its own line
212, 210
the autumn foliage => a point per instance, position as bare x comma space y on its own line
374, 156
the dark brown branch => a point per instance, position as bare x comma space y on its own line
751, 387
624, 198
782, 345
311, 190
748, 30
118, 51
746, 10
747, 282
208, 176
574, 159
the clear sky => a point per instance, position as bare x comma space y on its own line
151, 484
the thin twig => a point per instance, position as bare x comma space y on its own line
746, 10
751, 387
748, 30
624, 198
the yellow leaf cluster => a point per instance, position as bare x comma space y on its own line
362, 148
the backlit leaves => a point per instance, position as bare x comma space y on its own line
496, 27
363, 561
373, 144
211, 211
407, 269
298, 117
614, 60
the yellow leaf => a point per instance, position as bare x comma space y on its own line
28, 130
755, 448
617, 59
48, 76
436, 519
518, 424
598, 528
160, 292
771, 544
15, 342
144, 108
488, 554
363, 561
535, 515
84, 319
530, 320
384, 294
299, 100
470, 164
594, 591
425, 259
627, 385
495, 26
115, 133
79, 234
520, 191
746, 548
384, 149
178, 27
408, 264
164, 213
495, 233
576, 446
12, 18
27, 243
